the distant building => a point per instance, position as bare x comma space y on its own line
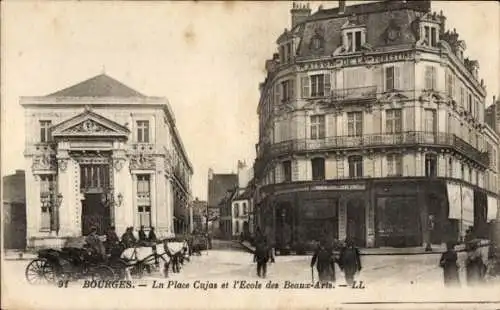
372, 128
218, 187
14, 211
199, 215
492, 115
242, 213
102, 154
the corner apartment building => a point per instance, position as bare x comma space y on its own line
102, 154
371, 127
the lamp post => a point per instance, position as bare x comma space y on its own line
53, 201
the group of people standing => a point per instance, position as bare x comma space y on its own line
348, 258
475, 265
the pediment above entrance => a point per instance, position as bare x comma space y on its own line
89, 124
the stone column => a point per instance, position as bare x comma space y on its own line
122, 184
64, 187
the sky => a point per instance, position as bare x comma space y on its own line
206, 58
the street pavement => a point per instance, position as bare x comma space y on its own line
399, 277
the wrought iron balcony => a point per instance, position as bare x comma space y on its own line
358, 93
408, 138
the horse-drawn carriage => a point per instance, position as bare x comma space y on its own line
73, 262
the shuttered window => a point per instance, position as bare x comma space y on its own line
317, 127
354, 123
393, 120
394, 165
392, 78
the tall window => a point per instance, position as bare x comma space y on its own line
143, 131
236, 210
318, 168
430, 120
144, 216
320, 85
245, 209
391, 78
433, 37
394, 165
430, 34
449, 83
317, 127
450, 167
355, 166
45, 135
469, 103
143, 184
47, 183
430, 77
289, 52
462, 97
304, 85
462, 172
393, 121
287, 90
355, 123
470, 174
430, 165
287, 171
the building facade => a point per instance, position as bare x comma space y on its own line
101, 154
371, 121
221, 188
14, 211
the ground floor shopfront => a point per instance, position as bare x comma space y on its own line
373, 213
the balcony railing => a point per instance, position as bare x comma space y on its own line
367, 92
408, 138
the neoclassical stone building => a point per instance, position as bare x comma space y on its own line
372, 128
99, 153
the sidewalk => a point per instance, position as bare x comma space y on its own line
436, 249
18, 255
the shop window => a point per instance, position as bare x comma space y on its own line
318, 168
430, 165
355, 166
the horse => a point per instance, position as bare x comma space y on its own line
179, 252
145, 256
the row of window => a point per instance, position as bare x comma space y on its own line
456, 90
394, 167
143, 131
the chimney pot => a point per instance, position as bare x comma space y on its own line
341, 6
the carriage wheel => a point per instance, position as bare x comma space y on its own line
103, 272
40, 271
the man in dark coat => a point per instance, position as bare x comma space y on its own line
350, 261
261, 257
152, 235
448, 262
142, 234
325, 262
112, 239
128, 238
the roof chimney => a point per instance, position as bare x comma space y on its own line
341, 6
299, 12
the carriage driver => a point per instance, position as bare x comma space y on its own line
95, 243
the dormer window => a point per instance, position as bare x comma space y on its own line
354, 40
430, 33
286, 53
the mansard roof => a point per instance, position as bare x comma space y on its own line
379, 18
99, 86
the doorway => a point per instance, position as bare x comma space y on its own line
356, 223
94, 213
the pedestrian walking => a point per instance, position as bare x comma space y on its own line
350, 261
448, 262
261, 257
325, 263
475, 268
